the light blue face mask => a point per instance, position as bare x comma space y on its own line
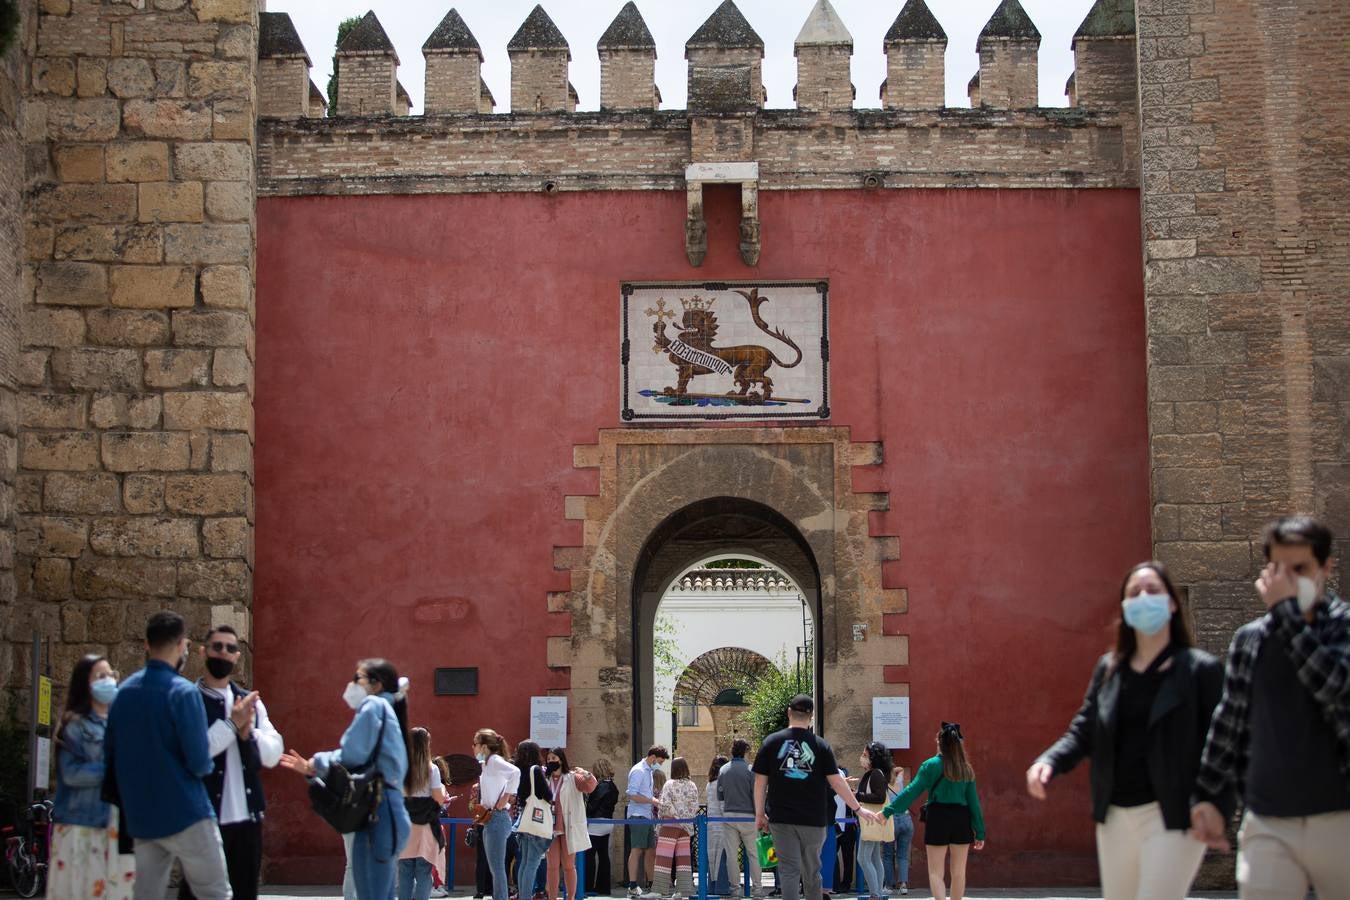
1147, 613
104, 690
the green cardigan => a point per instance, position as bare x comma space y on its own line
940, 790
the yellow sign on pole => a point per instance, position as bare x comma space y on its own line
44, 700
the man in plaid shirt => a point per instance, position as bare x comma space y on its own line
1281, 733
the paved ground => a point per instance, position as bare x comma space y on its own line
293, 892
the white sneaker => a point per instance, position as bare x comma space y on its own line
439, 892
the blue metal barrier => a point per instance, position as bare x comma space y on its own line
700, 823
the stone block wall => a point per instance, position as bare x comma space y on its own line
1244, 179
135, 378
12, 76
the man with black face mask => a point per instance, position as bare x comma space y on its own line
242, 742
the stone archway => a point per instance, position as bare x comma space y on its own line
785, 495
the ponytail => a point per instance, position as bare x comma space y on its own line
951, 745
383, 671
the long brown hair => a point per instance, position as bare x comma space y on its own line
79, 697
1179, 628
493, 741
955, 766
419, 761
679, 768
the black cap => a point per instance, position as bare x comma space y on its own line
801, 703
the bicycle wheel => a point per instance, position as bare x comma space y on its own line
23, 875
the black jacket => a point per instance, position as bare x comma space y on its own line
248, 755
600, 802
1177, 727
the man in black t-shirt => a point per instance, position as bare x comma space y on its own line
794, 773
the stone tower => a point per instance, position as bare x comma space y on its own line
628, 63
823, 49
539, 57
916, 50
367, 71
454, 68
1008, 46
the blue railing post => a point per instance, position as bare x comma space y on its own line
701, 826
581, 875
827, 856
450, 864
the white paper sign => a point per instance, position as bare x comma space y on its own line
43, 763
890, 722
548, 721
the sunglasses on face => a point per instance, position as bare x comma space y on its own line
222, 647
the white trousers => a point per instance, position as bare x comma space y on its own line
1141, 860
1279, 857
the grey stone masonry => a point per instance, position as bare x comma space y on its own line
726, 58
283, 68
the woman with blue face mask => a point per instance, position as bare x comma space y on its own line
1143, 724
85, 858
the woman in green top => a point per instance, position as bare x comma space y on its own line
952, 815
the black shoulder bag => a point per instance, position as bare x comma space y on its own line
923, 810
349, 799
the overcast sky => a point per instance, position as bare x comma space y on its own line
493, 22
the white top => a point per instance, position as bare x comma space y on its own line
433, 783
714, 802
499, 779
222, 739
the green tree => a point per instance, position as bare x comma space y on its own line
734, 564
666, 662
768, 698
344, 28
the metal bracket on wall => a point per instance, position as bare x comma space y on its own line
746, 174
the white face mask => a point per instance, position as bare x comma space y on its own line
1307, 594
353, 694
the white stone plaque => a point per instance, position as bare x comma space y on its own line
890, 722
709, 351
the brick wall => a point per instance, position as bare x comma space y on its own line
1008, 73
283, 87
539, 81
12, 77
366, 84
915, 75
136, 373
1244, 169
626, 151
823, 77
452, 82
627, 79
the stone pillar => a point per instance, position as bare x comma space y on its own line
823, 49
1008, 46
627, 63
454, 68
318, 103
135, 486
539, 59
367, 66
973, 90
1105, 74
283, 69
1244, 180
402, 101
725, 63
16, 613
916, 51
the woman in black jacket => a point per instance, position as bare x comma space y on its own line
600, 805
1143, 723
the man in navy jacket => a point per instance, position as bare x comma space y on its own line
158, 752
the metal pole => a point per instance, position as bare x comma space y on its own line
701, 826
581, 874
450, 864
34, 676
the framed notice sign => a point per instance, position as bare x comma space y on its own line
548, 721
890, 722
708, 351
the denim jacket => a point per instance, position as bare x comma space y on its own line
358, 742
79, 774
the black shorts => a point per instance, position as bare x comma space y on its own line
948, 823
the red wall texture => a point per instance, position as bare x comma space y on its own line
426, 363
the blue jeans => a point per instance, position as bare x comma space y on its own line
896, 853
530, 852
869, 860
414, 879
376, 847
495, 835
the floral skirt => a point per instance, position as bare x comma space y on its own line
85, 863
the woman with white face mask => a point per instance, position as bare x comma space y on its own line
498, 782
378, 735
85, 858
1143, 724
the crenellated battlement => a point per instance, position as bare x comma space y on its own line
725, 64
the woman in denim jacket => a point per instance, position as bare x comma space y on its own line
85, 857
379, 697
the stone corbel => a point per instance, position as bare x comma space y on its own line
746, 174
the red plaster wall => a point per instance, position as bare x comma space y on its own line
426, 363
